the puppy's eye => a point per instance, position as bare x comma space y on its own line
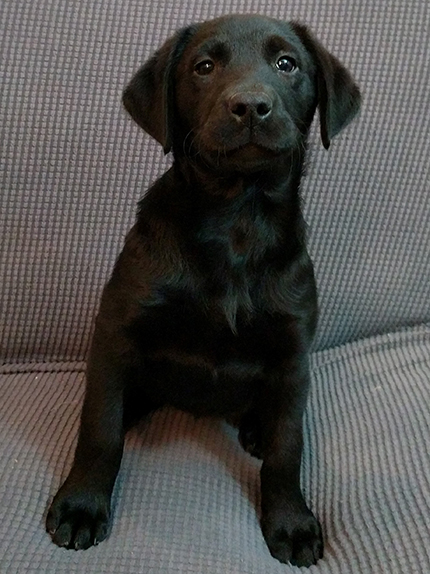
204, 68
286, 64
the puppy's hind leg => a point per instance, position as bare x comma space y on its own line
137, 404
250, 434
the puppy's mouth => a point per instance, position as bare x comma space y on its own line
253, 150
260, 142
249, 156
228, 145
257, 141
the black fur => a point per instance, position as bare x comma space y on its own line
212, 304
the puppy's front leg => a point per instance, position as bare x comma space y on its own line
291, 531
79, 515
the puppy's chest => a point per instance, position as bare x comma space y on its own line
185, 328
234, 265
232, 288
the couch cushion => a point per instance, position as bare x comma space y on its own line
186, 499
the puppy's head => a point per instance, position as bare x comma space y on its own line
241, 90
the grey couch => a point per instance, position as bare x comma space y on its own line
72, 167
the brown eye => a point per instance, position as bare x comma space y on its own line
204, 68
286, 64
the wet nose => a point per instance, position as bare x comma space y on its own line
246, 106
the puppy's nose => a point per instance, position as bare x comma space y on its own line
246, 106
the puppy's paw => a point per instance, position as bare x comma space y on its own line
250, 435
294, 538
78, 519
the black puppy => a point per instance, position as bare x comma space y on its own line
212, 304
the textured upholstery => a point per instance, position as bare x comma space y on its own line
73, 165
186, 496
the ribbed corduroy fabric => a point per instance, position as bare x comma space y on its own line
73, 165
186, 499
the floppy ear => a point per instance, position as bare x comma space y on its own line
149, 97
339, 98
